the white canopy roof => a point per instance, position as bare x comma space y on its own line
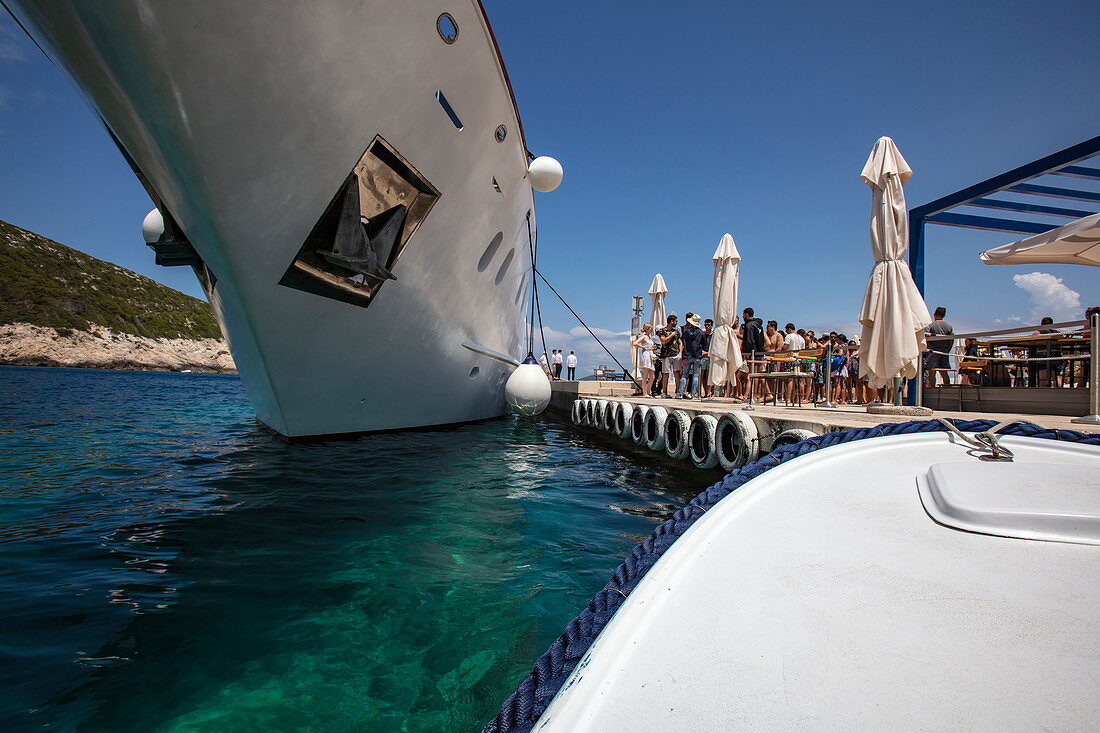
1076, 243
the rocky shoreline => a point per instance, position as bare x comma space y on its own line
24, 344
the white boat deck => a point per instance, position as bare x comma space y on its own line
822, 596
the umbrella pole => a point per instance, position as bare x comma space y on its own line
897, 391
1093, 418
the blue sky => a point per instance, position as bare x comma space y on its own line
679, 122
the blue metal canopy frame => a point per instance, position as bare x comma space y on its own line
1031, 209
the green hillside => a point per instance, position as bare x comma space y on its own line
48, 284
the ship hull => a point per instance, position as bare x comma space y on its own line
246, 121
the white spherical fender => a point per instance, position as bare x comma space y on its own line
545, 174
676, 434
623, 416
654, 430
152, 226
597, 413
609, 411
792, 436
528, 389
702, 448
637, 424
575, 413
736, 440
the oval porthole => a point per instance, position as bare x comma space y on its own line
522, 287
474, 372
447, 27
504, 266
490, 252
502, 132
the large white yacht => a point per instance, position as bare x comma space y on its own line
347, 177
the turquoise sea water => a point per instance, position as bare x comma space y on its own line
167, 565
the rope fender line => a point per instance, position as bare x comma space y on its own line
532, 242
521, 710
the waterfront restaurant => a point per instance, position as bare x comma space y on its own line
1018, 370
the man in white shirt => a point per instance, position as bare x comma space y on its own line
545, 364
555, 359
571, 366
793, 341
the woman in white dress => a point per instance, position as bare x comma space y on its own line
645, 343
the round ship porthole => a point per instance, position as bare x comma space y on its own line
502, 132
447, 27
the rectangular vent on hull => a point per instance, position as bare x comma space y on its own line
448, 109
354, 246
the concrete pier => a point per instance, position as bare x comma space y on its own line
771, 420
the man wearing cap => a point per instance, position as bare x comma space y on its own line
693, 358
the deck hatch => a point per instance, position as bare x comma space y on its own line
355, 245
1034, 501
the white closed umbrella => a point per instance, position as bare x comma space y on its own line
1076, 243
657, 291
725, 350
893, 314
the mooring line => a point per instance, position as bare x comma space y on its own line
601, 343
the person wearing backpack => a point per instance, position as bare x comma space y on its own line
752, 348
840, 372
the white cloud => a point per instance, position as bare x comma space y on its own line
1049, 296
603, 333
1007, 321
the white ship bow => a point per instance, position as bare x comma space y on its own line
255, 125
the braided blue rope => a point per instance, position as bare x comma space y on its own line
523, 707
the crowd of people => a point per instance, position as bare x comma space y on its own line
675, 361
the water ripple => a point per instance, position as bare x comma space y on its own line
167, 564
